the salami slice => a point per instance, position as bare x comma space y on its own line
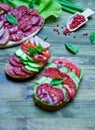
1, 24
12, 29
4, 38
33, 12
14, 63
35, 20
5, 7
19, 12
2, 30
49, 94
19, 72
9, 69
16, 36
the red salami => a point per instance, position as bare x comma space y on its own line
33, 12
16, 36
12, 29
5, 7
4, 38
49, 94
1, 24
14, 63
19, 12
35, 20
19, 72
9, 69
2, 30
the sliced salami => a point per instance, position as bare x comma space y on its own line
12, 29
2, 30
4, 38
33, 12
19, 12
35, 19
1, 24
18, 71
5, 7
9, 69
16, 36
14, 63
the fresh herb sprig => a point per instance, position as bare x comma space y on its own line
34, 51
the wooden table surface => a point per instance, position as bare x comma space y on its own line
17, 109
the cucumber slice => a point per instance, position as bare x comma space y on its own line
41, 80
34, 65
19, 52
30, 59
23, 57
52, 65
31, 69
75, 78
63, 69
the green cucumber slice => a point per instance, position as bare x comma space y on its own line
63, 69
75, 78
52, 65
34, 65
19, 52
23, 57
31, 69
30, 59
41, 80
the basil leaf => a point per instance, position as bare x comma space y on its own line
12, 19
39, 48
45, 38
56, 81
32, 51
74, 49
92, 37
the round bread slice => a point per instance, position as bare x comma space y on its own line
53, 84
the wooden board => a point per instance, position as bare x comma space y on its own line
17, 109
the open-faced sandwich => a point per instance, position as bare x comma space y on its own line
58, 84
28, 59
18, 24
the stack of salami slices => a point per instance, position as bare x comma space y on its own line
18, 24
58, 84
28, 59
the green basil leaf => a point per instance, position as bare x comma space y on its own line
32, 51
56, 81
12, 19
92, 37
45, 38
39, 48
74, 49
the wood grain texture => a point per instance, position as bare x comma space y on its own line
17, 109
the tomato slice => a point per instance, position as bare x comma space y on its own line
28, 44
69, 64
46, 54
70, 86
53, 73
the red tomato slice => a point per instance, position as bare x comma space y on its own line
69, 64
53, 73
46, 54
70, 86
28, 44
